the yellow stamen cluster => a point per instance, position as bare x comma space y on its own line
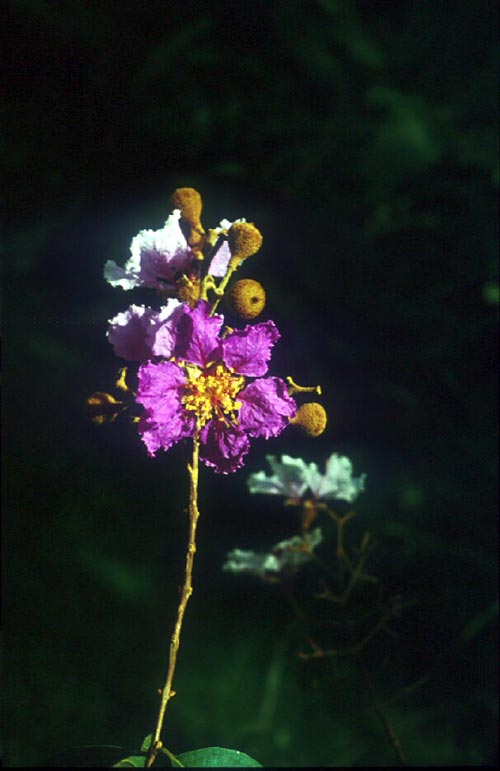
247, 298
244, 240
212, 394
311, 418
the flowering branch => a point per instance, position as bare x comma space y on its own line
197, 377
187, 590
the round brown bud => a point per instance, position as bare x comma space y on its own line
247, 298
244, 239
311, 418
188, 200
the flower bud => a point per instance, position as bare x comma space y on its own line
103, 408
188, 200
247, 298
244, 240
311, 418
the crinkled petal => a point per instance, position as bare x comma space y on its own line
220, 261
162, 253
126, 278
248, 350
162, 332
223, 446
156, 256
150, 435
128, 331
289, 477
160, 392
337, 483
159, 384
266, 407
197, 335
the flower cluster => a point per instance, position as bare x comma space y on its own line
197, 377
302, 485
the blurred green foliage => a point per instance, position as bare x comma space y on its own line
362, 139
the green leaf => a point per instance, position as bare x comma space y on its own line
133, 761
163, 760
209, 757
214, 757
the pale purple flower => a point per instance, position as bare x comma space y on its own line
158, 256
203, 390
292, 478
139, 332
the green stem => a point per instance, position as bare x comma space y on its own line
232, 267
187, 590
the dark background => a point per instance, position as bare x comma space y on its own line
361, 138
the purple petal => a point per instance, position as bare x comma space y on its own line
162, 333
266, 407
159, 383
127, 332
197, 337
160, 392
220, 261
248, 350
223, 447
150, 435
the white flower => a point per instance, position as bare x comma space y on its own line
338, 482
285, 557
292, 477
156, 257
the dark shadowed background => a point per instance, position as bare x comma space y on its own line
361, 138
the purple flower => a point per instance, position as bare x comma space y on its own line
158, 255
202, 390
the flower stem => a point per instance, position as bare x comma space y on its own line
186, 592
232, 267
